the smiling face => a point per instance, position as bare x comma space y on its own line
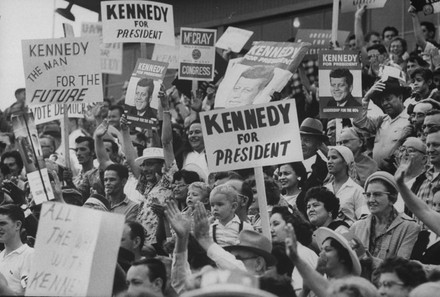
392, 105
180, 190
329, 256
244, 92
433, 147
141, 99
150, 168
195, 137
287, 177
113, 184
339, 88
379, 202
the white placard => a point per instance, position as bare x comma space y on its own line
137, 21
234, 39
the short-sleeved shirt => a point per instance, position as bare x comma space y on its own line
126, 207
155, 193
16, 267
226, 235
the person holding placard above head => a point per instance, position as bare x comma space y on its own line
341, 85
388, 128
249, 85
16, 258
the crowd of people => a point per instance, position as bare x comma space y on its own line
359, 216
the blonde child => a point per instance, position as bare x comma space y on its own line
197, 191
226, 226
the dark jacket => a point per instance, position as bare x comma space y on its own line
351, 102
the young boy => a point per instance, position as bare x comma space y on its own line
197, 191
227, 225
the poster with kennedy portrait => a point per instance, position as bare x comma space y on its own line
142, 100
265, 69
340, 84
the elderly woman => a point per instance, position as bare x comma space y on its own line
323, 209
385, 232
340, 166
354, 140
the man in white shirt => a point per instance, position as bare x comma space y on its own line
16, 258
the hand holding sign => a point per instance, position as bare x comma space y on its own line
101, 129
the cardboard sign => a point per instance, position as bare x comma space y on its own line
142, 98
340, 84
234, 39
319, 40
427, 6
246, 137
47, 113
28, 143
75, 251
197, 54
352, 5
167, 54
65, 70
111, 53
265, 69
137, 21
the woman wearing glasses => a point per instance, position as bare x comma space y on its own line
399, 276
385, 232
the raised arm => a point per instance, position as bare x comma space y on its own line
358, 25
420, 39
167, 131
101, 153
420, 209
312, 279
128, 148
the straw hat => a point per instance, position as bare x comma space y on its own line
149, 153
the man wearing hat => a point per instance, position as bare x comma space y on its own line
312, 138
388, 128
252, 253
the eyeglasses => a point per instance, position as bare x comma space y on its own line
370, 57
408, 150
389, 284
374, 194
345, 141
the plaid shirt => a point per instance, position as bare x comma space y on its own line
432, 180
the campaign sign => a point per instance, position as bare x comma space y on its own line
137, 21
111, 53
28, 143
352, 5
340, 84
427, 6
319, 40
64, 70
75, 251
47, 113
167, 54
234, 39
197, 54
265, 69
142, 99
251, 136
